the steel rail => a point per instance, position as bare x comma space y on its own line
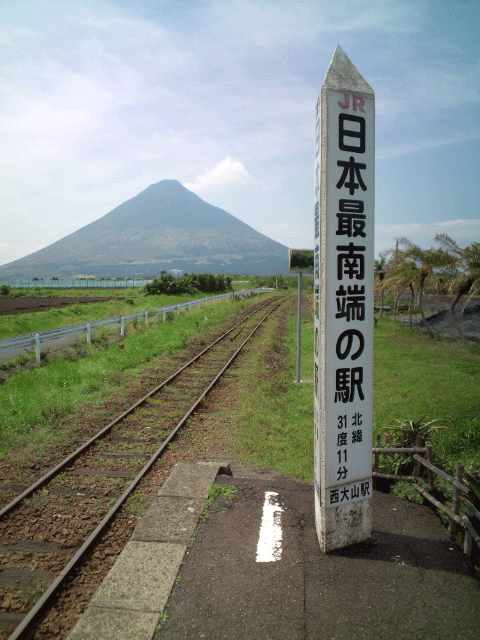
42, 603
70, 458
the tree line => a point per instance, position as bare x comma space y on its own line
446, 269
188, 283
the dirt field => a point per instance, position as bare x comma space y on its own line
27, 304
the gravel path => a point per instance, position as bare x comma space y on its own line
443, 323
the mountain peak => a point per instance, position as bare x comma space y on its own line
166, 226
167, 185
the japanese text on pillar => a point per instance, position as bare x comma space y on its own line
351, 233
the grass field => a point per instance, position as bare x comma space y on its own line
123, 301
414, 377
438, 379
33, 401
129, 302
274, 422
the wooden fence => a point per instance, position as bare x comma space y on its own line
462, 493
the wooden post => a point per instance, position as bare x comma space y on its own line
417, 467
431, 485
468, 541
89, 333
452, 527
376, 458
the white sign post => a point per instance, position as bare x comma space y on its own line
344, 266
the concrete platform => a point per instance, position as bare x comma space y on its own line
129, 603
408, 582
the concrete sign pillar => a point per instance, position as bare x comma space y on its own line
344, 267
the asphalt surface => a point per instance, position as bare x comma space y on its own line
408, 582
184, 576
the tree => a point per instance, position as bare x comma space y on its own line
467, 270
399, 274
380, 278
417, 265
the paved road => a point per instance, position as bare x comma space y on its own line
409, 582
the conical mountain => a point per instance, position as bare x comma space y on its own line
164, 227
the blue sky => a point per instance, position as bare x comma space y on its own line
100, 99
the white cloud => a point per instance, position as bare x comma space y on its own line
416, 146
99, 98
391, 16
226, 173
463, 231
273, 23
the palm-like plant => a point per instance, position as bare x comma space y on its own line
399, 275
421, 264
467, 263
404, 433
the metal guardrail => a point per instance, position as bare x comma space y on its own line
29, 341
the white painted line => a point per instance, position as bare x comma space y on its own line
269, 546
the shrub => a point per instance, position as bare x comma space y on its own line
205, 282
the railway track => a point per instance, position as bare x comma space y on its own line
49, 528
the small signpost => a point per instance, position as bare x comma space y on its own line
343, 290
300, 260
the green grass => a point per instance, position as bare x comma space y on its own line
33, 402
275, 423
137, 505
216, 490
134, 300
414, 377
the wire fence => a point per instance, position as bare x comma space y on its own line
76, 283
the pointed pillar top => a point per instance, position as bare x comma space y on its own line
342, 75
